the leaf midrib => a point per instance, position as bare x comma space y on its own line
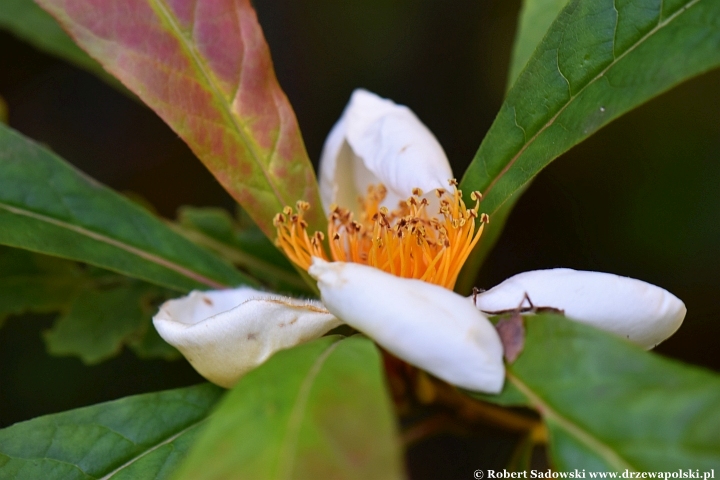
661, 24
206, 72
151, 449
287, 452
596, 445
115, 243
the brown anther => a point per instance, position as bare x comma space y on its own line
485, 218
302, 206
294, 218
320, 236
336, 236
439, 192
383, 211
453, 182
472, 213
476, 196
278, 220
417, 192
424, 201
287, 211
303, 224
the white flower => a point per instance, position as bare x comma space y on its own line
224, 334
377, 141
641, 312
424, 324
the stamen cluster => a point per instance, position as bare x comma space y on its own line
408, 242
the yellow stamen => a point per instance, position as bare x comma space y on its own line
407, 242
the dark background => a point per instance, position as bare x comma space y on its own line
639, 198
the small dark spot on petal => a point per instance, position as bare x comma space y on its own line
252, 336
207, 301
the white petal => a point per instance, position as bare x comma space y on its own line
226, 333
423, 324
638, 311
377, 141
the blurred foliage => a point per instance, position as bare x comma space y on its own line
638, 198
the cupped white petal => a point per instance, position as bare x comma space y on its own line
226, 333
424, 324
377, 141
636, 310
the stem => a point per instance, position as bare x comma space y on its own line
434, 392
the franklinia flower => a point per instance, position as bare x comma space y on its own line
397, 238
226, 333
641, 312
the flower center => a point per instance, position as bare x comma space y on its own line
407, 242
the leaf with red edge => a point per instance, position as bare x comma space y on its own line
205, 68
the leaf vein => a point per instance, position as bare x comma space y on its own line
209, 77
596, 445
573, 97
115, 243
164, 442
287, 453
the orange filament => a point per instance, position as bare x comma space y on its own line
407, 242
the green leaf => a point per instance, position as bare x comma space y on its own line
247, 248
609, 405
320, 410
47, 206
149, 344
100, 322
35, 283
140, 437
596, 63
102, 311
28, 21
205, 69
536, 16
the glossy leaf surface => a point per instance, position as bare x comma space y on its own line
596, 63
610, 405
143, 437
47, 206
205, 68
536, 16
320, 410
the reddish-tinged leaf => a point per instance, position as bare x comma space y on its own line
204, 67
